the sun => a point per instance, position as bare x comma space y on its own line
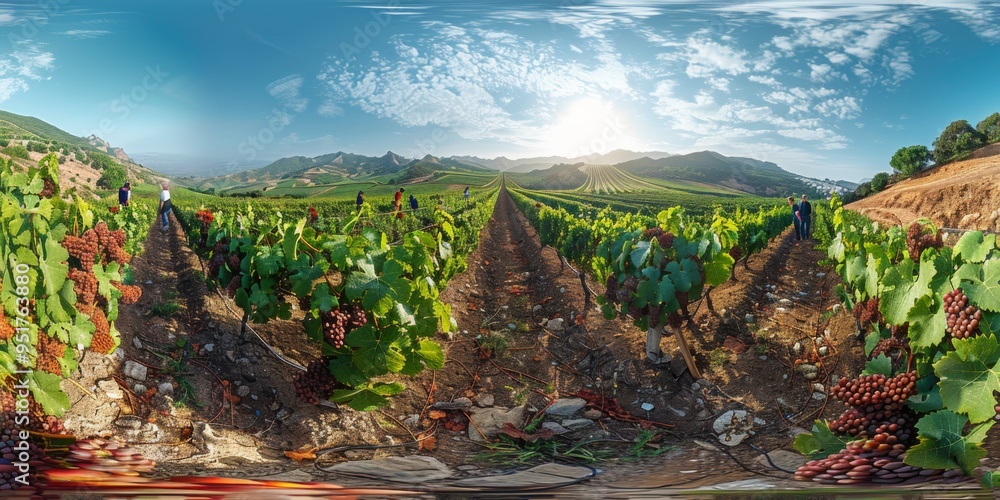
586, 126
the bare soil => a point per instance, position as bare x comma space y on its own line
960, 195
224, 403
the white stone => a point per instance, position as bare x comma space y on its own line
555, 428
554, 324
110, 387
536, 308
577, 423
647, 407
134, 370
243, 391
209, 347
734, 426
136, 342
566, 407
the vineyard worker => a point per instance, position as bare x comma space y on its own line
466, 193
413, 202
165, 204
806, 210
399, 199
361, 199
125, 194
795, 218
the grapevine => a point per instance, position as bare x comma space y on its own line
920, 237
963, 318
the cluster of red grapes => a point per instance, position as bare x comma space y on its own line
877, 406
878, 460
234, 285
736, 252
341, 320
49, 189
130, 293
50, 351
867, 313
316, 382
101, 341
918, 240
963, 318
665, 239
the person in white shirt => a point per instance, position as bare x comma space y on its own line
165, 204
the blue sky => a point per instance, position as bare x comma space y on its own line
825, 89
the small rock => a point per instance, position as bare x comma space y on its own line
136, 342
706, 446
734, 426
484, 400
556, 428
819, 396
566, 407
463, 401
749, 319
243, 391
696, 387
803, 294
680, 413
111, 389
254, 397
554, 324
139, 389
562, 289
487, 422
823, 350
837, 307
577, 423
412, 420
165, 389
512, 326
467, 468
209, 347
149, 282
536, 308
820, 275
134, 370
780, 309
274, 406
704, 383
647, 407
770, 296
818, 387
283, 414
785, 302
592, 414
350, 454
231, 356
797, 348
458, 404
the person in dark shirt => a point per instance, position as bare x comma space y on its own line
466, 193
805, 212
795, 218
125, 194
413, 202
361, 199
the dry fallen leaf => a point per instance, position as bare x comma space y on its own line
429, 444
437, 414
299, 456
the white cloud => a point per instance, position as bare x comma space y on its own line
27, 62
483, 84
85, 34
844, 108
820, 72
898, 60
837, 57
706, 57
286, 90
770, 81
330, 109
7, 17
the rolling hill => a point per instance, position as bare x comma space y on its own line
708, 167
524, 165
22, 136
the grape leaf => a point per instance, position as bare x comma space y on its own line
342, 368
821, 442
880, 364
986, 293
375, 354
926, 402
969, 376
991, 479
303, 274
360, 399
640, 253
928, 321
378, 292
942, 445
974, 247
719, 269
967, 272
45, 388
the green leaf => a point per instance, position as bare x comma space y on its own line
342, 368
45, 388
666, 294
969, 376
375, 354
986, 293
640, 253
821, 443
430, 352
991, 479
926, 402
387, 389
872, 339
974, 247
881, 364
645, 293
928, 321
719, 269
303, 275
378, 293
942, 445
290, 243
360, 400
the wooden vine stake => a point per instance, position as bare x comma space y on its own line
653, 336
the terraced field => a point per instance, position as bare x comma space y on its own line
610, 179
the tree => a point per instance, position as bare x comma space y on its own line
956, 142
101, 161
910, 160
879, 181
112, 177
17, 151
990, 128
